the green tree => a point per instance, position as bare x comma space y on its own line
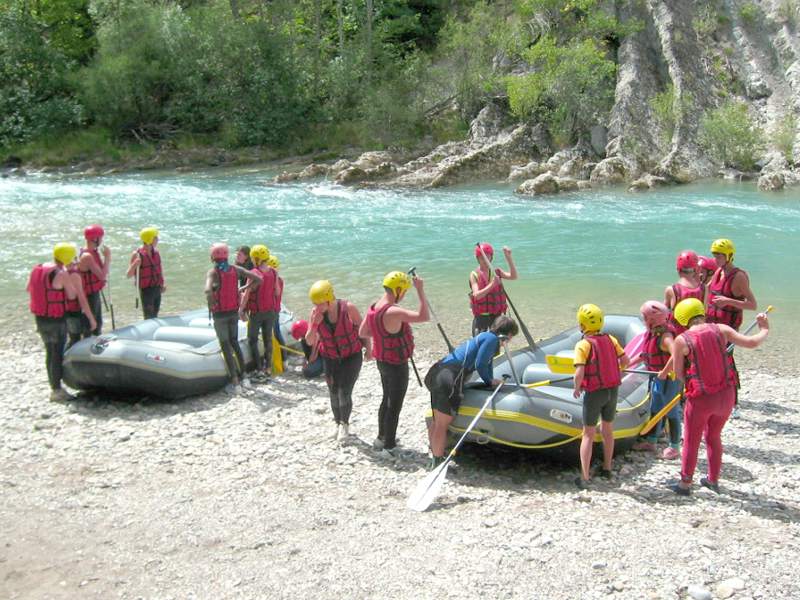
731, 136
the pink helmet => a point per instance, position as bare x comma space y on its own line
487, 250
709, 264
93, 233
687, 260
654, 313
219, 251
299, 329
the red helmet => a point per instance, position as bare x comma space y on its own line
299, 329
219, 251
654, 313
687, 260
93, 233
487, 250
706, 263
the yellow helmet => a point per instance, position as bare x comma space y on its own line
64, 253
688, 309
590, 318
273, 262
259, 252
321, 291
723, 246
395, 280
148, 234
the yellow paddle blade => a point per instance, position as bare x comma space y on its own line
560, 364
277, 359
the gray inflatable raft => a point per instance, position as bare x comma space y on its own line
548, 417
169, 357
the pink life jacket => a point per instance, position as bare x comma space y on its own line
226, 296
339, 340
718, 286
602, 365
709, 368
91, 282
45, 300
150, 274
654, 357
493, 303
264, 298
71, 305
392, 348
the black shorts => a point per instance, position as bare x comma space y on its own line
599, 403
445, 383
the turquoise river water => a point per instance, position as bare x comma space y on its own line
606, 246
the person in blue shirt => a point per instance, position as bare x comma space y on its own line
445, 379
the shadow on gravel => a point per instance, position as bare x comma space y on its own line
407, 460
767, 408
141, 408
767, 457
780, 426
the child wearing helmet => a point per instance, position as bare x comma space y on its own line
51, 287
222, 295
333, 328
486, 295
701, 360
389, 326
688, 284
312, 363
145, 266
656, 355
598, 361
94, 272
705, 269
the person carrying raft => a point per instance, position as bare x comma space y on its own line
145, 266
656, 354
333, 327
389, 326
259, 306
445, 379
222, 296
50, 285
486, 296
598, 361
94, 272
687, 286
700, 359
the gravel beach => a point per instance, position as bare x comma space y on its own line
248, 496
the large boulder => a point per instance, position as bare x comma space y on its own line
529, 171
566, 184
646, 182
489, 123
772, 181
351, 175
546, 183
370, 160
314, 170
286, 177
609, 171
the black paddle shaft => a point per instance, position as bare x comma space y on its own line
413, 272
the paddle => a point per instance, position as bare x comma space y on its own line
427, 489
730, 347
522, 325
292, 350
564, 364
136, 283
547, 382
413, 272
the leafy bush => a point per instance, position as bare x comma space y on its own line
750, 14
730, 136
668, 110
784, 136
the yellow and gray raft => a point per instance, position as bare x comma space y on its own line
548, 417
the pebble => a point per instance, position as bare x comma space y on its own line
699, 593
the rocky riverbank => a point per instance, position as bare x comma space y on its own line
247, 496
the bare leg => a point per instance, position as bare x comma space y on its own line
586, 451
607, 431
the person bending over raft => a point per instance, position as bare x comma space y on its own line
487, 297
260, 305
94, 271
145, 264
222, 296
334, 325
49, 286
445, 379
598, 361
656, 354
392, 346
701, 360
312, 363
729, 294
705, 269
688, 285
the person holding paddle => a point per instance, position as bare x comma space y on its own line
598, 361
701, 360
145, 265
487, 297
389, 326
445, 379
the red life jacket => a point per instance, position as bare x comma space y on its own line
45, 300
718, 286
709, 368
340, 339
226, 296
493, 303
263, 298
150, 274
682, 292
392, 348
72, 305
602, 365
654, 357
91, 282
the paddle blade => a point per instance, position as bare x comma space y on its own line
560, 364
427, 489
277, 359
635, 346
